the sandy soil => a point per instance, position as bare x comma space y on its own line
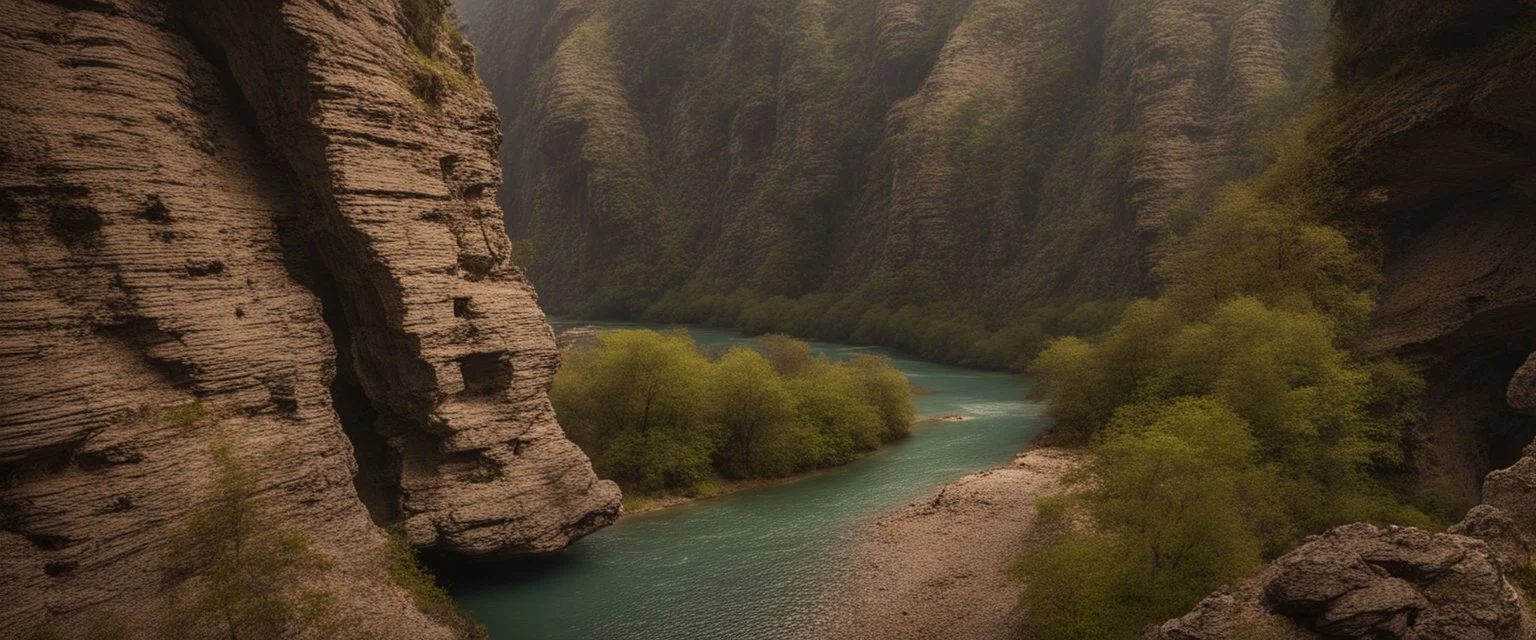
937, 568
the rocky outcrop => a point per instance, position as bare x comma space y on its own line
271, 225
1359, 581
884, 151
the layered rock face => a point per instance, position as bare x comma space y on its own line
268, 224
1438, 153
899, 150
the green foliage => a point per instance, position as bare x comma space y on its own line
657, 415
755, 410
1227, 419
405, 570
1524, 576
941, 333
523, 253
888, 391
184, 417
241, 572
424, 22
1251, 246
432, 79
486, 474
633, 402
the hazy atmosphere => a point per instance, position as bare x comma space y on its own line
768, 319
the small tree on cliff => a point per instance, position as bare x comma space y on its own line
238, 570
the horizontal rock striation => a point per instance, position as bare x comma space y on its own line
271, 225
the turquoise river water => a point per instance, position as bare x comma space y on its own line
754, 564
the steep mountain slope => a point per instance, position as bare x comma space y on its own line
1003, 154
269, 225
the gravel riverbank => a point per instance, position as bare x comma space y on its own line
937, 569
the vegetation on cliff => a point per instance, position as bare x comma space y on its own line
239, 571
925, 174
1228, 417
657, 414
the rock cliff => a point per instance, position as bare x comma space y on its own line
890, 151
1430, 126
270, 224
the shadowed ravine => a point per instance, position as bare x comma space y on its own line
754, 564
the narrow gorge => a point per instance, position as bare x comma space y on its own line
277, 271
993, 155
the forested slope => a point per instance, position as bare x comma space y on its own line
984, 158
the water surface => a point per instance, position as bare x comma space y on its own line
755, 564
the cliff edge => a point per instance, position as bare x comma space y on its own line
272, 225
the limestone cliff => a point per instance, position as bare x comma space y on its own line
1431, 129
891, 151
270, 224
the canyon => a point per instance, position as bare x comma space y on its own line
281, 227
990, 156
877, 151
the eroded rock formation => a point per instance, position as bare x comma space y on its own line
1358, 581
270, 224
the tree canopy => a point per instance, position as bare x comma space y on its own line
658, 415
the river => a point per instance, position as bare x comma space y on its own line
755, 564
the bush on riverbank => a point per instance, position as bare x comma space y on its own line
1227, 418
656, 414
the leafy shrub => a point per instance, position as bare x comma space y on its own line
657, 415
241, 572
405, 570
1227, 418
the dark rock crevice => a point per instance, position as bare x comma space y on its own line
413, 399
378, 464
307, 255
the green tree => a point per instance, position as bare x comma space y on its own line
1168, 518
888, 391
635, 402
756, 413
655, 414
790, 357
1273, 251
241, 571
828, 402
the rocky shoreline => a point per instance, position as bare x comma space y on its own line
938, 567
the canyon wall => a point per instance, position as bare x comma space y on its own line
1432, 127
1006, 154
270, 225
